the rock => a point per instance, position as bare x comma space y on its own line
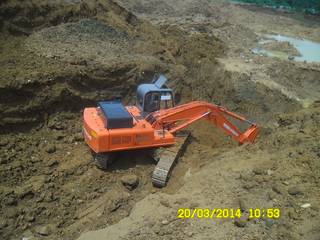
291, 58
277, 188
52, 163
47, 179
295, 191
306, 205
284, 121
240, 222
165, 202
242, 205
43, 230
30, 217
193, 205
12, 213
78, 137
189, 234
272, 195
4, 142
79, 171
3, 160
55, 123
48, 171
37, 182
285, 183
49, 197
269, 222
259, 178
3, 223
117, 201
69, 139
11, 201
28, 235
24, 191
156, 229
292, 214
165, 222
50, 149
130, 181
34, 159
269, 172
258, 171
250, 185
60, 136
135, 233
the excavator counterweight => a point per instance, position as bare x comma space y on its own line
155, 123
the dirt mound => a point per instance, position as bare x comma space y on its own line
84, 39
21, 17
170, 8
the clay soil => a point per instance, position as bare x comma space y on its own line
58, 57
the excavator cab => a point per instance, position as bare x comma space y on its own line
154, 96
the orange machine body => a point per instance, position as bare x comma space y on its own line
141, 135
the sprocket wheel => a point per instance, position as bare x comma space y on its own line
103, 160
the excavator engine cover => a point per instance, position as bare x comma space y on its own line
116, 115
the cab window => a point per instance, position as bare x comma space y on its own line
152, 102
166, 101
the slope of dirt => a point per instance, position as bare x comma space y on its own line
277, 172
23, 17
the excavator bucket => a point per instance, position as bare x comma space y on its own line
249, 135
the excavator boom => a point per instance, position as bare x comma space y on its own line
180, 117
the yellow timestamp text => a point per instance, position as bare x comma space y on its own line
228, 213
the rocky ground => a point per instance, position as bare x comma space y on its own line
59, 57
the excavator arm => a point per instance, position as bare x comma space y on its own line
178, 118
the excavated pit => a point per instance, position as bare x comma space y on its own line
70, 55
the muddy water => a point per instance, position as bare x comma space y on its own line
309, 50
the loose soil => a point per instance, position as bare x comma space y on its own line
59, 57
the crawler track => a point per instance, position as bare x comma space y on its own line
166, 158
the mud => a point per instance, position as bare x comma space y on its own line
60, 57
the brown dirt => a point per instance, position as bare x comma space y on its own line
59, 57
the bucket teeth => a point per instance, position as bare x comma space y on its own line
166, 159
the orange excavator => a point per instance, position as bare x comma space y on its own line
154, 123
